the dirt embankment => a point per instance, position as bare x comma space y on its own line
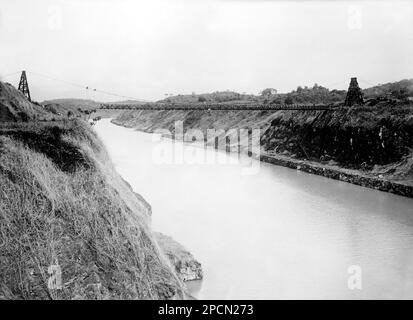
369, 146
70, 226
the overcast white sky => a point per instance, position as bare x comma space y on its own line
145, 49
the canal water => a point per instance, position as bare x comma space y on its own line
272, 232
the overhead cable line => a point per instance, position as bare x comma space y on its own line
82, 86
11, 74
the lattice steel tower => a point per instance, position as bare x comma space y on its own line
354, 94
24, 86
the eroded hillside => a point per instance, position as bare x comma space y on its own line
64, 208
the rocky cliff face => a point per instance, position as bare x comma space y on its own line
181, 259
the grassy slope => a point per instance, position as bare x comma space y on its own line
15, 107
61, 201
377, 140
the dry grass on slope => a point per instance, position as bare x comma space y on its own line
15, 107
83, 218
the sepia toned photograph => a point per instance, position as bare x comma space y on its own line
206, 150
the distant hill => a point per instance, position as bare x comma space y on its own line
217, 97
397, 90
316, 94
305, 95
130, 102
73, 104
70, 107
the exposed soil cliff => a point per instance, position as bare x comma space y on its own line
377, 139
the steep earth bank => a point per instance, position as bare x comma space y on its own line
370, 146
70, 226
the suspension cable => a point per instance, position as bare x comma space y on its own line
10, 74
82, 86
